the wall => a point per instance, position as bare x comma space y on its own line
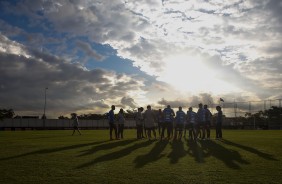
58, 123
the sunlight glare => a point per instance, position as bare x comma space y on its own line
189, 73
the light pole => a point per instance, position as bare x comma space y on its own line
44, 116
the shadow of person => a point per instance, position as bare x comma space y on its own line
115, 154
152, 156
230, 158
109, 145
250, 149
52, 150
195, 150
177, 151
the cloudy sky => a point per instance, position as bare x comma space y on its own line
92, 54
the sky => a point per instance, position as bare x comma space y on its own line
93, 54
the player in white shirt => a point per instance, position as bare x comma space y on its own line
150, 122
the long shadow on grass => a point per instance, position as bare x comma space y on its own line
115, 154
110, 145
152, 156
250, 149
231, 158
177, 151
46, 151
196, 151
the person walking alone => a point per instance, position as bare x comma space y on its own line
75, 124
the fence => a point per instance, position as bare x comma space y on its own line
232, 111
237, 108
236, 111
103, 124
57, 124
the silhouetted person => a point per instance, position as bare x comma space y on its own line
112, 124
201, 121
208, 121
150, 122
180, 121
191, 123
218, 130
75, 125
139, 123
168, 114
143, 130
160, 121
121, 121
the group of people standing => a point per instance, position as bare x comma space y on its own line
175, 125
116, 127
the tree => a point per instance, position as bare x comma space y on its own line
6, 113
248, 115
273, 113
63, 117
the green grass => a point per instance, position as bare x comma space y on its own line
57, 157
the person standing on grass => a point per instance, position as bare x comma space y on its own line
139, 123
218, 130
168, 114
191, 123
75, 124
112, 124
143, 130
201, 120
208, 121
150, 122
160, 121
121, 121
180, 121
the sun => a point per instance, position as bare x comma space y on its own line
189, 73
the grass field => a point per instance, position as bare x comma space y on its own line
253, 156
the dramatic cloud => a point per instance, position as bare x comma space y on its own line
228, 49
85, 47
127, 101
70, 87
